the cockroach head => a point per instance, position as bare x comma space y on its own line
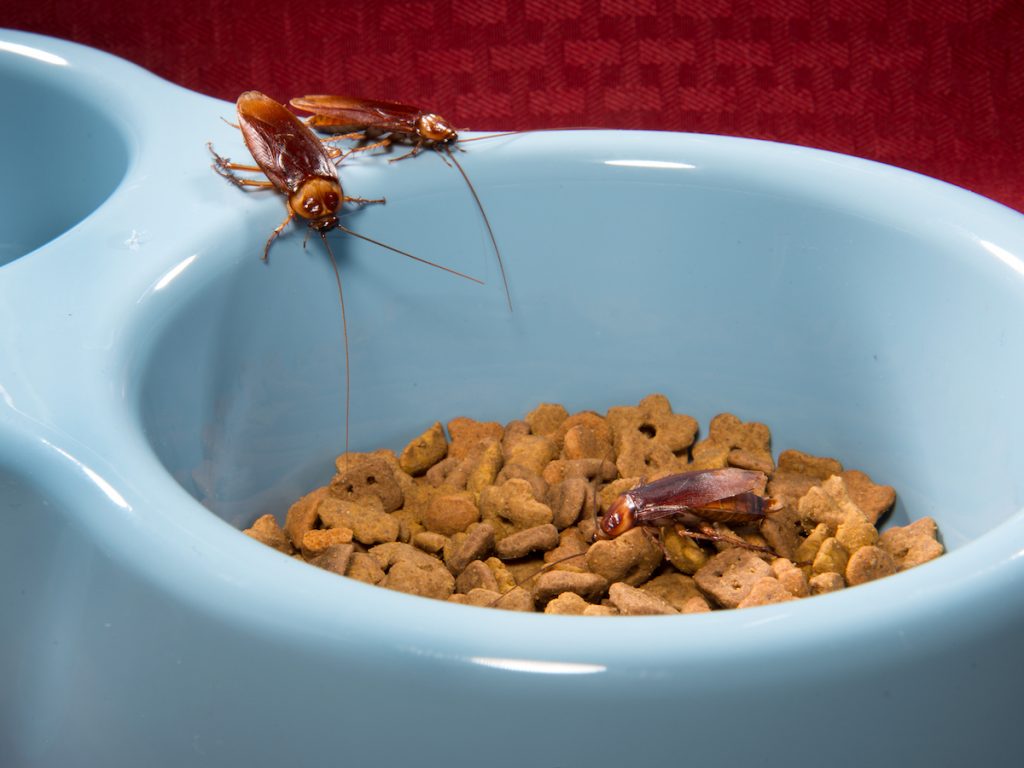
620, 517
435, 128
317, 200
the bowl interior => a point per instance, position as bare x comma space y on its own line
63, 158
839, 302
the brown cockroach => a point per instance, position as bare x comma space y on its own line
378, 119
685, 501
298, 165
692, 502
392, 122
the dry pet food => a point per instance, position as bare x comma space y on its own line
512, 517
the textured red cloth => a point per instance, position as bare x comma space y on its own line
936, 86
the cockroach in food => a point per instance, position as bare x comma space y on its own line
692, 502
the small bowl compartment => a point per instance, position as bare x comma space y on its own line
63, 157
789, 287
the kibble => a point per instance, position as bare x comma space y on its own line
505, 517
554, 583
266, 531
729, 576
631, 601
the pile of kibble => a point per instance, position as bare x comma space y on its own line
505, 517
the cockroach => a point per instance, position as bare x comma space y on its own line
685, 501
377, 119
392, 122
691, 502
298, 165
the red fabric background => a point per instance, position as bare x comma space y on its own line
936, 86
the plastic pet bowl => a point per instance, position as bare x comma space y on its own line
161, 387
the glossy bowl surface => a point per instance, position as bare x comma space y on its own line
161, 387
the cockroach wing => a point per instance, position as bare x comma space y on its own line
282, 146
696, 489
743, 508
346, 113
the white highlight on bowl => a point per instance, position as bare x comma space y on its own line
650, 164
33, 53
173, 272
108, 490
1010, 260
538, 667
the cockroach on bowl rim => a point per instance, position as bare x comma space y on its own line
375, 118
393, 122
298, 165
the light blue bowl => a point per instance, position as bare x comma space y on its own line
161, 387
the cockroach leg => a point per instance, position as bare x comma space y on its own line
274, 235
418, 147
242, 183
339, 155
411, 153
357, 136
224, 167
707, 532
